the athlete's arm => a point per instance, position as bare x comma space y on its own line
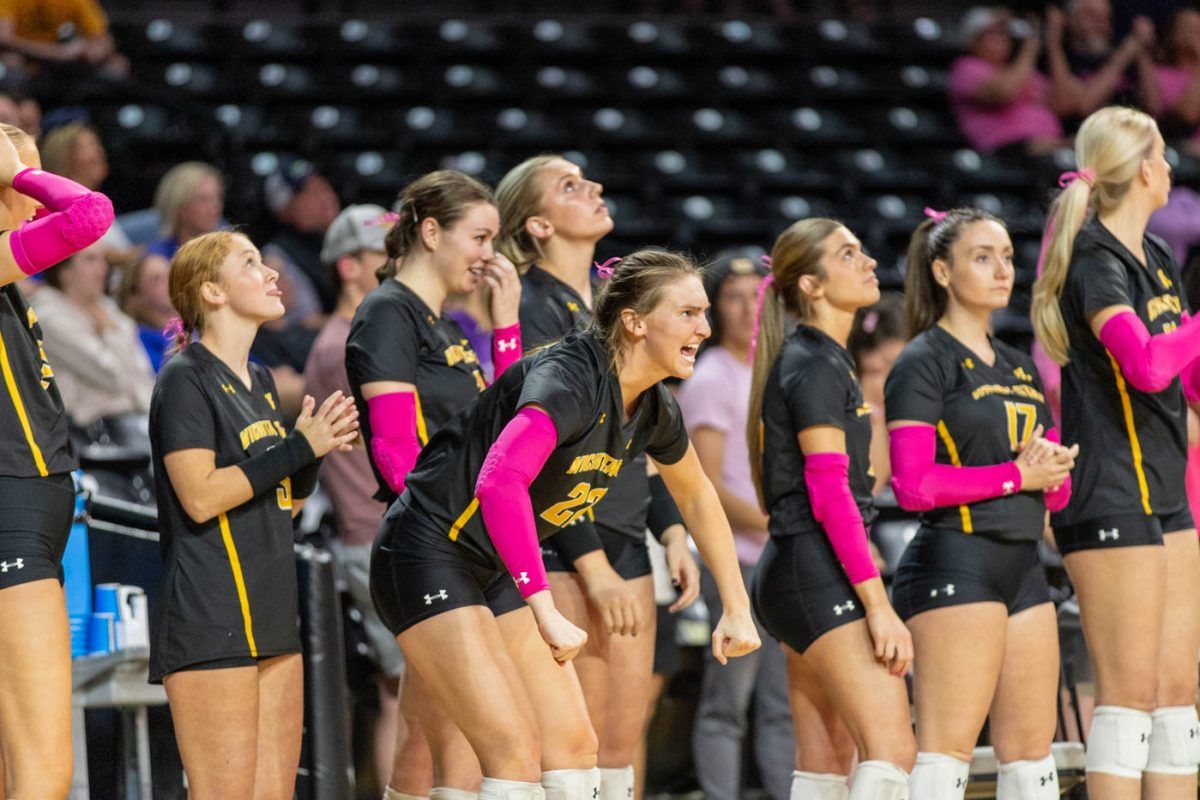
735, 635
710, 448
1148, 362
395, 444
505, 283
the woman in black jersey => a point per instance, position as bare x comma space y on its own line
817, 589
552, 217
539, 449
37, 496
225, 641
411, 369
1107, 307
966, 415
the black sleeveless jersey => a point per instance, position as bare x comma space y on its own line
577, 385
812, 382
396, 337
33, 423
982, 414
1132, 444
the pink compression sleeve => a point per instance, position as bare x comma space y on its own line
827, 477
513, 461
922, 484
394, 442
506, 349
1057, 499
1148, 362
78, 218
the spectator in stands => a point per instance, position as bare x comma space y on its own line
715, 404
304, 204
143, 295
353, 249
1083, 60
878, 336
101, 367
1176, 102
1003, 102
189, 199
58, 32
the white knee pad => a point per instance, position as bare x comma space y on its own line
498, 789
879, 780
1028, 780
447, 793
938, 776
571, 784
1175, 741
391, 794
1119, 741
616, 783
819, 786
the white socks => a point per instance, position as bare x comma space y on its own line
616, 783
570, 784
819, 786
448, 793
391, 794
497, 789
879, 780
1028, 780
938, 776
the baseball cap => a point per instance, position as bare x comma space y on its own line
745, 261
356, 228
286, 182
977, 20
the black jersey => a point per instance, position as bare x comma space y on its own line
1132, 444
982, 415
33, 423
396, 337
577, 385
229, 584
811, 383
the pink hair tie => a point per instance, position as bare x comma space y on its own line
606, 270
936, 216
1087, 175
174, 328
390, 218
766, 261
870, 321
767, 282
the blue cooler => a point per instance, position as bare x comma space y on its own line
77, 576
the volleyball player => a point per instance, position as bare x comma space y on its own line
552, 218
539, 448
37, 496
965, 415
817, 589
411, 369
1107, 307
225, 641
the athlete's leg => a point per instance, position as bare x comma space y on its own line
35, 690
630, 667
280, 726
591, 665
388, 729
1167, 777
823, 745
453, 762
412, 763
215, 713
1122, 592
774, 738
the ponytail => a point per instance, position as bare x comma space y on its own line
1067, 214
768, 326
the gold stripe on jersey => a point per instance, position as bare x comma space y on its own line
235, 564
1135, 445
952, 449
14, 392
463, 519
422, 432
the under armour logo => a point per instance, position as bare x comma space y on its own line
441, 595
1008, 487
18, 564
504, 345
522, 578
1193, 733
947, 590
1048, 779
960, 783
595, 792
844, 608
1145, 738
1112, 533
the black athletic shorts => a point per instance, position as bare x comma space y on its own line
35, 521
417, 573
628, 557
942, 568
800, 591
1127, 530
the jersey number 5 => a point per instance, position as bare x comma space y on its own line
1022, 419
283, 494
580, 500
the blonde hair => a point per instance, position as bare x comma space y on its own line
177, 187
196, 262
18, 137
1111, 144
58, 147
519, 197
797, 252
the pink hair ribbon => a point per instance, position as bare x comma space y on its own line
766, 283
1087, 175
390, 218
766, 261
936, 216
174, 328
606, 270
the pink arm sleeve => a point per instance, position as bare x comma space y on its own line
922, 484
394, 442
513, 461
826, 475
1057, 499
1148, 362
78, 218
506, 349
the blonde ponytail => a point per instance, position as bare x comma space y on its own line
766, 350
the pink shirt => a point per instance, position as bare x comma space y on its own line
1172, 83
717, 396
347, 477
988, 127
